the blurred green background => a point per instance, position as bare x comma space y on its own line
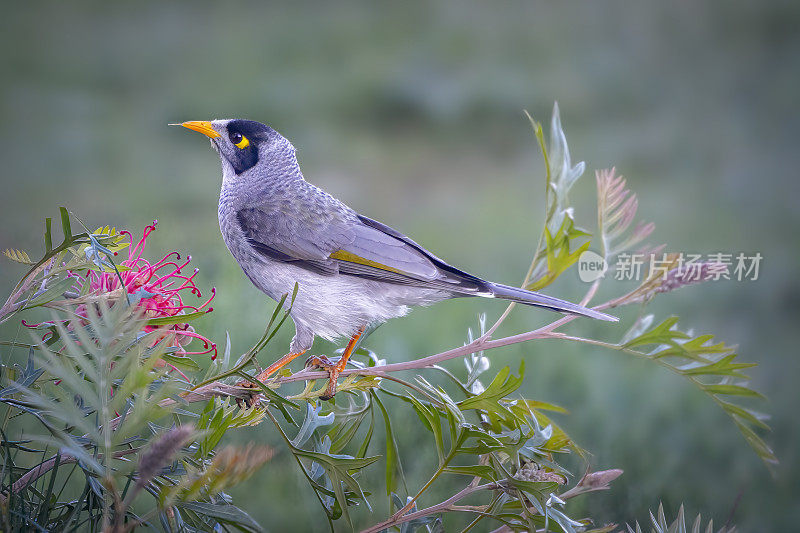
411, 112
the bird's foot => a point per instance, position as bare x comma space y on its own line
249, 400
320, 361
254, 398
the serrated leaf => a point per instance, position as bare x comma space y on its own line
616, 211
494, 398
19, 256
660, 334
711, 368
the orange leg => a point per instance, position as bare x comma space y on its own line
335, 369
277, 365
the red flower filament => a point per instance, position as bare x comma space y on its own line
159, 289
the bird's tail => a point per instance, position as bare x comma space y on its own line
536, 299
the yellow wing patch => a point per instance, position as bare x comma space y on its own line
343, 255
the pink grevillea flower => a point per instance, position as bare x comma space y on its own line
160, 289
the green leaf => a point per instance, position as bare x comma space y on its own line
559, 439
661, 334
723, 367
559, 254
339, 468
733, 390
493, 400
538, 490
712, 368
482, 442
175, 319
362, 450
748, 415
225, 513
343, 432
559, 234
394, 469
481, 471
181, 362
65, 224
430, 419
48, 235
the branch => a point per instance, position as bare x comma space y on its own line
590, 482
443, 506
480, 344
206, 391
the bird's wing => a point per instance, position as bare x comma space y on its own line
304, 237
349, 244
394, 249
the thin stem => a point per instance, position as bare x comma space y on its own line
411, 386
460, 495
696, 382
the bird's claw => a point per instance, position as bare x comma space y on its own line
322, 362
249, 400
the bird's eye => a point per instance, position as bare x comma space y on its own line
239, 140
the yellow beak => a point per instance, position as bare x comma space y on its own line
203, 126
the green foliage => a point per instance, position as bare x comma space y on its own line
659, 524
114, 447
560, 243
712, 367
102, 397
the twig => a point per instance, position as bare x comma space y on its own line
590, 482
432, 509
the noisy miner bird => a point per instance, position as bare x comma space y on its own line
352, 272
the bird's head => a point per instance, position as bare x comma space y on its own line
250, 151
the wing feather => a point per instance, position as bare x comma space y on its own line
350, 245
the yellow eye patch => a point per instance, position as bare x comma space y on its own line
244, 143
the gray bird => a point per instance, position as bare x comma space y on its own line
352, 272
